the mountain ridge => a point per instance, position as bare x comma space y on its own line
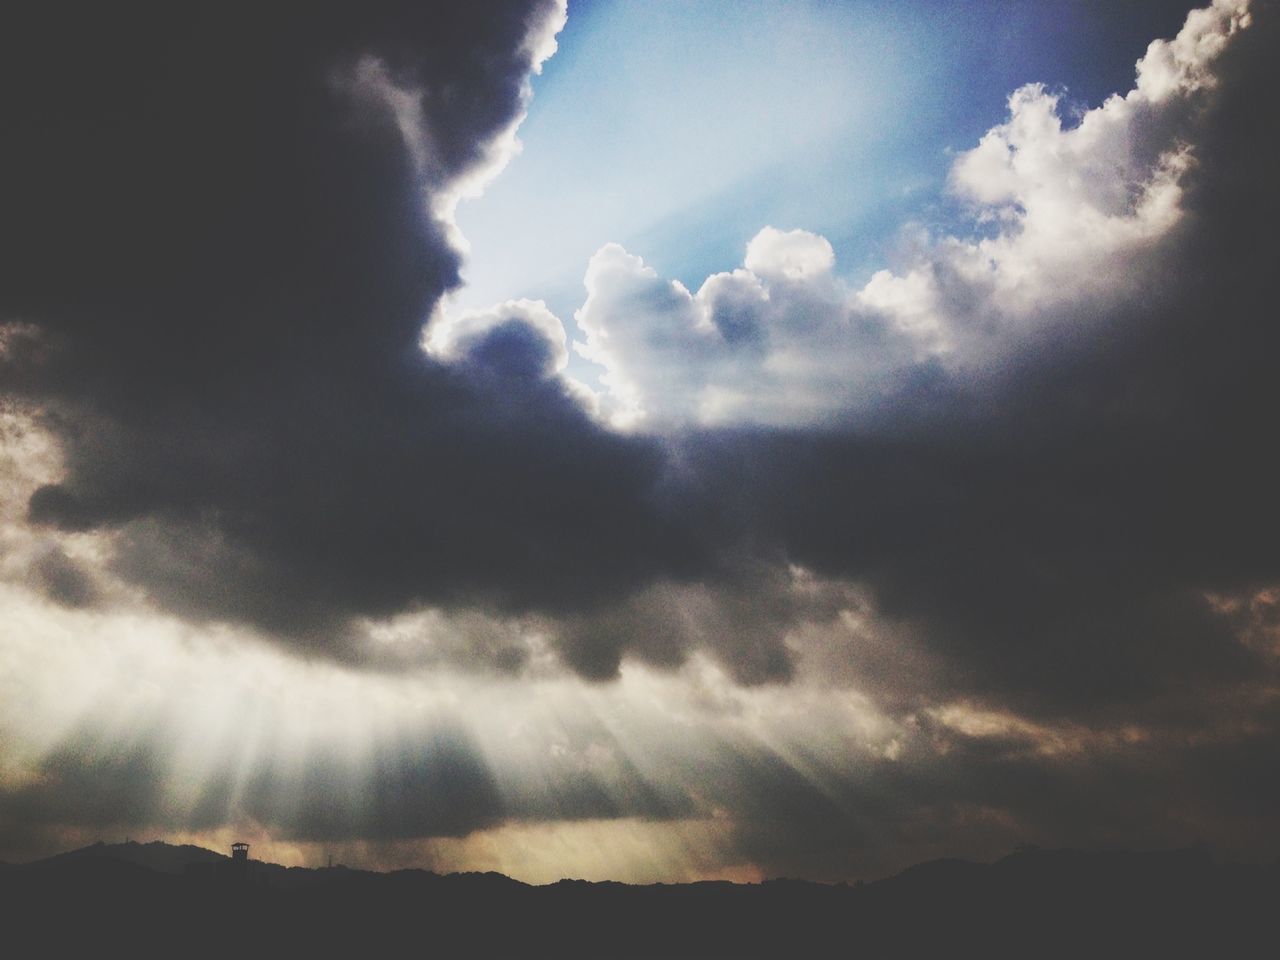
164, 857
1030, 903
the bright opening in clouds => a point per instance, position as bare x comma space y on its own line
641, 441
798, 103
656, 119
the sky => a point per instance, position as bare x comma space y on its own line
640, 441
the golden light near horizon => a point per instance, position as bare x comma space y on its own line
218, 717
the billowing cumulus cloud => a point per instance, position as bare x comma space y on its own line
1072, 219
819, 575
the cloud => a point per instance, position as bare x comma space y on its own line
1014, 439
218, 323
853, 568
64, 580
1070, 220
503, 338
1008, 437
253, 449
794, 255
247, 447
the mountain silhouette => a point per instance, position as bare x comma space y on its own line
157, 855
1029, 904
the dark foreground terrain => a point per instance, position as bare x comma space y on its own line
152, 899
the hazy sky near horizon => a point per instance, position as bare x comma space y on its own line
647, 441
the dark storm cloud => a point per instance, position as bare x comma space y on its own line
215, 220
221, 244
1053, 528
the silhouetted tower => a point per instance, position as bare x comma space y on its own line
239, 859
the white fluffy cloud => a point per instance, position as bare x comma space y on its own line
777, 341
1070, 221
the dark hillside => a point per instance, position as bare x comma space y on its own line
1030, 904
